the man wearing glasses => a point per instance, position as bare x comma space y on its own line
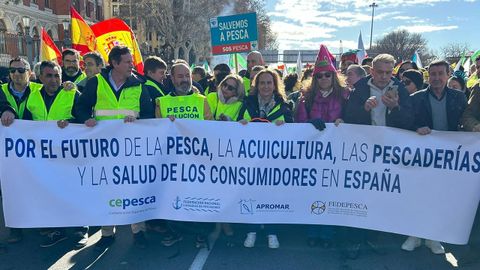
13, 99
17, 91
71, 66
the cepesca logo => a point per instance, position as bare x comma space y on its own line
124, 203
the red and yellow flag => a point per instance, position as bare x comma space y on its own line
83, 38
115, 32
48, 49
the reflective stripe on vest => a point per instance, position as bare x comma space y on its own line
11, 100
218, 108
80, 78
61, 108
274, 115
108, 107
183, 107
154, 85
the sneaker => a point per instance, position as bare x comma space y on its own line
171, 239
139, 240
15, 236
435, 247
250, 240
53, 238
81, 239
273, 241
411, 243
201, 242
104, 242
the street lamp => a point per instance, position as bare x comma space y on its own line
66, 39
28, 38
373, 6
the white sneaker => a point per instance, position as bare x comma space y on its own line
435, 246
411, 243
273, 241
250, 240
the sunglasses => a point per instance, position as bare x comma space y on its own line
407, 82
20, 70
321, 75
229, 87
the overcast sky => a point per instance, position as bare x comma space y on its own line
302, 24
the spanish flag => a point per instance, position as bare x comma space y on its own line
115, 32
83, 38
48, 49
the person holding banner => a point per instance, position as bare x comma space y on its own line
116, 93
266, 103
184, 102
14, 98
55, 101
71, 66
436, 108
379, 100
471, 122
322, 101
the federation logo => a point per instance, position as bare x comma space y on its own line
177, 203
317, 208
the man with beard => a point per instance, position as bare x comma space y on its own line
71, 66
185, 101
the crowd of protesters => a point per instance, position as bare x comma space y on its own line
375, 91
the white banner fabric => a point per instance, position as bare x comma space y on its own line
369, 177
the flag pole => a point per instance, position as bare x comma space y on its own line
236, 63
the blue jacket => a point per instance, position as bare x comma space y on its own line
456, 103
355, 113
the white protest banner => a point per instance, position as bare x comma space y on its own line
360, 176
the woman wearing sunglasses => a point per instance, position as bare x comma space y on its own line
225, 104
322, 102
325, 96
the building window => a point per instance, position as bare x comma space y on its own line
115, 11
3, 42
88, 9
20, 40
36, 42
47, 3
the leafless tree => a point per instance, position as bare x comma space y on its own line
402, 45
454, 50
184, 24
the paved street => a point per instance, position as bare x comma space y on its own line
292, 254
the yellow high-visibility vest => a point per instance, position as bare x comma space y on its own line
108, 107
183, 107
19, 109
61, 108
